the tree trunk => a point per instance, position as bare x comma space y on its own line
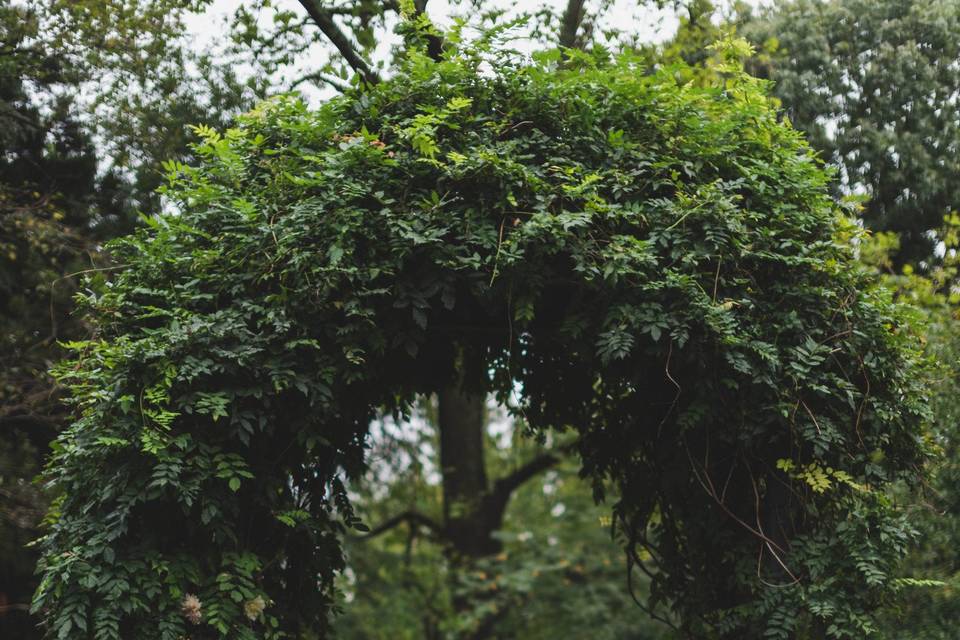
473, 506
461, 423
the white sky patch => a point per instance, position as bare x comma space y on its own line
634, 17
205, 31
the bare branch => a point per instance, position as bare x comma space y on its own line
415, 518
324, 21
572, 18
43, 428
14, 607
508, 484
272, 40
11, 112
334, 82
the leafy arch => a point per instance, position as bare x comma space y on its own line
658, 267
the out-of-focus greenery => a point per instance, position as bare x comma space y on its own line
874, 85
54, 210
557, 546
931, 613
140, 83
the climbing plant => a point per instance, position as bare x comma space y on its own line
656, 268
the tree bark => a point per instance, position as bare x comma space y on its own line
324, 21
572, 17
463, 467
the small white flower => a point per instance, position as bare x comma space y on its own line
253, 608
191, 608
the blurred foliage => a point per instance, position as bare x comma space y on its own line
140, 83
931, 613
54, 211
873, 84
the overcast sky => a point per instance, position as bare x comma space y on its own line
649, 23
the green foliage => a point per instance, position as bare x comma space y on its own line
140, 82
873, 84
54, 211
930, 612
657, 266
559, 573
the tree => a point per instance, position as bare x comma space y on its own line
658, 267
559, 572
140, 84
145, 95
873, 84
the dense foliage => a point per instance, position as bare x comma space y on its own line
72, 175
658, 267
930, 614
873, 84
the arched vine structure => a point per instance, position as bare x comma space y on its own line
657, 269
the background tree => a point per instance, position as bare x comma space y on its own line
54, 212
873, 84
556, 548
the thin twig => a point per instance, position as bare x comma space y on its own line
666, 369
711, 491
53, 285
812, 417
716, 279
496, 258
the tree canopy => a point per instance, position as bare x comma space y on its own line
873, 84
657, 267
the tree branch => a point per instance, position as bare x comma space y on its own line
336, 83
324, 21
279, 33
434, 41
39, 428
411, 516
572, 17
12, 112
505, 486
